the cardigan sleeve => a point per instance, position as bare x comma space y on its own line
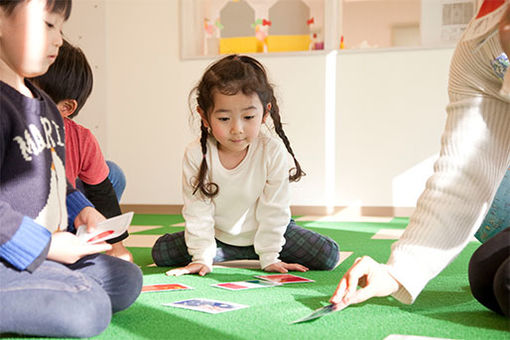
505, 89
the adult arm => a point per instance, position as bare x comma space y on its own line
433, 237
504, 36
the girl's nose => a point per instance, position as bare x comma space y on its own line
58, 40
237, 127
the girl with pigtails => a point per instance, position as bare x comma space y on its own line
236, 182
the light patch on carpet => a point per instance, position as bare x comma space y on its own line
343, 256
388, 234
395, 234
139, 228
140, 241
344, 218
182, 224
411, 337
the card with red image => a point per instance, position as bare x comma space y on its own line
249, 284
108, 229
164, 287
284, 278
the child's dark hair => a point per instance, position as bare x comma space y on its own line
228, 76
53, 6
69, 77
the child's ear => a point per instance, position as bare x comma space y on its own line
203, 116
266, 113
67, 107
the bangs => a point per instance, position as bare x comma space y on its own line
53, 6
245, 86
60, 6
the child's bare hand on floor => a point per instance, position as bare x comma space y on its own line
282, 267
192, 268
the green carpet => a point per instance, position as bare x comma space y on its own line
445, 309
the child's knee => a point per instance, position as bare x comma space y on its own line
330, 255
81, 315
86, 325
131, 287
159, 251
170, 250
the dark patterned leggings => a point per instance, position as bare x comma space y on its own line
311, 249
489, 273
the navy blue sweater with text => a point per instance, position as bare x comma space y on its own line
35, 198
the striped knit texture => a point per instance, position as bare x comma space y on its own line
474, 157
26, 244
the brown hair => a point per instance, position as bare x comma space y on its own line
53, 6
228, 76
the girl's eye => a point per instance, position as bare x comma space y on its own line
223, 119
49, 24
249, 117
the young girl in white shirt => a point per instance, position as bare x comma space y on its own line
236, 182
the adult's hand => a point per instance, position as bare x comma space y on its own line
373, 277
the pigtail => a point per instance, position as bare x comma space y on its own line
208, 189
295, 173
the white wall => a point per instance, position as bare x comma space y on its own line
372, 20
86, 29
389, 108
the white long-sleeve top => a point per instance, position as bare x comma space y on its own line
251, 208
474, 157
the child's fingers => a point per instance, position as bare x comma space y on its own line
296, 267
281, 269
204, 270
177, 272
90, 249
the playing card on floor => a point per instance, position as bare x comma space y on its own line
249, 284
163, 287
284, 278
206, 305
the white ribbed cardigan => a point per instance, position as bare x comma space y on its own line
474, 157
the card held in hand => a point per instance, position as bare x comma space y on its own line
111, 228
320, 312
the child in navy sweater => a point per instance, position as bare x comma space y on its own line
52, 283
